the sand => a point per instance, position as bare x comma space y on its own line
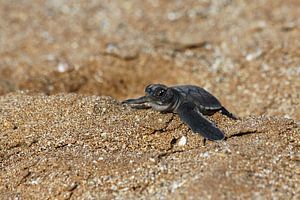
65, 66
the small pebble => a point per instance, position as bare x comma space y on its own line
182, 141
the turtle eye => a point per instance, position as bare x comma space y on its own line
160, 93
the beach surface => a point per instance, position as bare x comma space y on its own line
65, 66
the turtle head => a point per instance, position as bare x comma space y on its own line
160, 97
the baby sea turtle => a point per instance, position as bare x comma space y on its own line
190, 102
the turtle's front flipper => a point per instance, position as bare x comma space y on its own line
139, 103
140, 100
190, 114
140, 106
224, 111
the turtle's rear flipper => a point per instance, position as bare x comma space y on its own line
190, 115
224, 111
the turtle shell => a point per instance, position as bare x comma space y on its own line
205, 101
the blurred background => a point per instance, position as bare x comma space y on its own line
247, 53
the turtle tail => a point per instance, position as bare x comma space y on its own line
224, 111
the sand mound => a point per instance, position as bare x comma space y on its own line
88, 147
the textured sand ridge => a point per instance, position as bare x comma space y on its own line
92, 147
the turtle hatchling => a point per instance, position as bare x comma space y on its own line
190, 102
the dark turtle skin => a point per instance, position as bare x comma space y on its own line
190, 102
